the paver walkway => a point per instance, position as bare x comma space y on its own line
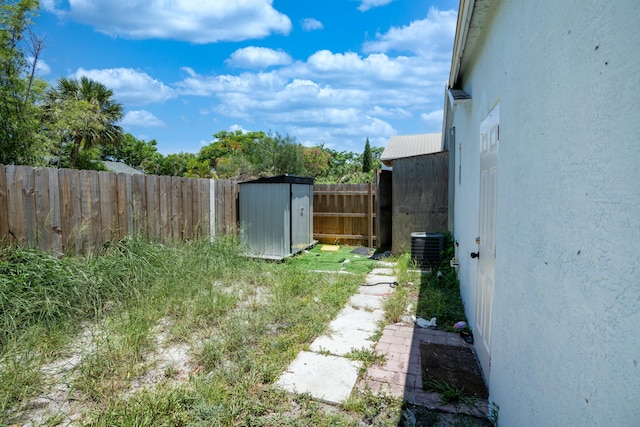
328, 376
324, 372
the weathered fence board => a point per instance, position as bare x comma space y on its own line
29, 203
344, 213
420, 197
43, 208
152, 196
176, 203
16, 215
55, 207
4, 219
226, 193
139, 200
165, 208
187, 220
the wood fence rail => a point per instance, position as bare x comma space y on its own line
68, 210
344, 213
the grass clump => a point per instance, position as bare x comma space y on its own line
427, 293
375, 409
38, 289
450, 394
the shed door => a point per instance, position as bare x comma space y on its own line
301, 217
489, 141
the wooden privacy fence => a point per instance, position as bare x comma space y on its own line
67, 210
344, 213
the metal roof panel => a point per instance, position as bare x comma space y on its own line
401, 146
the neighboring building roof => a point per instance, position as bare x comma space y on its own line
118, 167
401, 146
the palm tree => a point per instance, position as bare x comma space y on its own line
92, 113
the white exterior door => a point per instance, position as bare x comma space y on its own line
489, 142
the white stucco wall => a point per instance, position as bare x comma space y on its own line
566, 314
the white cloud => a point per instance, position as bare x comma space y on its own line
258, 57
130, 86
42, 68
430, 37
393, 113
331, 97
310, 24
236, 127
432, 119
141, 118
188, 20
370, 4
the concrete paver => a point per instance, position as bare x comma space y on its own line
374, 279
327, 378
366, 302
382, 290
382, 271
343, 343
351, 330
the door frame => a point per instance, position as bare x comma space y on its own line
487, 213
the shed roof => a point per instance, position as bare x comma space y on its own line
401, 146
118, 167
282, 179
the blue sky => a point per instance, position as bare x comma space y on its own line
331, 72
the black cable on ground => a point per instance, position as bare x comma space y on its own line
392, 284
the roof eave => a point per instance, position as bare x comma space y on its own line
465, 11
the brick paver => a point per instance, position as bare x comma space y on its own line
401, 374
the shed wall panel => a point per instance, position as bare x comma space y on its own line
264, 219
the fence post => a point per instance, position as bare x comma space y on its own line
370, 215
212, 210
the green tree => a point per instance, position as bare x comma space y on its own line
59, 124
316, 161
18, 110
99, 113
366, 157
134, 152
228, 143
342, 163
289, 157
176, 164
235, 166
376, 152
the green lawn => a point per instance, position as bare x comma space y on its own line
343, 260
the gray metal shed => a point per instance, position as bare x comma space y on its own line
276, 215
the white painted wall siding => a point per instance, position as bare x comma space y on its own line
566, 335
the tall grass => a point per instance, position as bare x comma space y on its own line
241, 320
37, 289
429, 294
